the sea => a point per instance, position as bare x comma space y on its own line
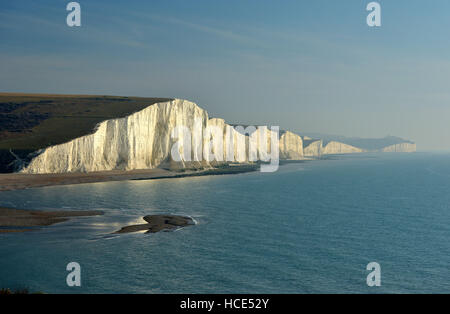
310, 227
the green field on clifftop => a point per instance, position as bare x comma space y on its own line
29, 122
36, 121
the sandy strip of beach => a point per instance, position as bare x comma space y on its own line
20, 220
20, 181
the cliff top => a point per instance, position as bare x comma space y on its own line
34, 121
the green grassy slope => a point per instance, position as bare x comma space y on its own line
29, 122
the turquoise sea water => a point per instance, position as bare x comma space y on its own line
309, 228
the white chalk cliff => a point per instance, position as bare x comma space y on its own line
148, 139
336, 148
139, 141
312, 148
400, 148
315, 148
291, 146
144, 140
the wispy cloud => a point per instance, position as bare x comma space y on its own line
218, 32
25, 23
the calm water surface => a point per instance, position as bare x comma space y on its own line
308, 228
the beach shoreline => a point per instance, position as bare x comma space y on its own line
21, 181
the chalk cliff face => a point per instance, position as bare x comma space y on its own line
223, 143
315, 148
152, 137
139, 141
312, 148
335, 148
400, 148
291, 146
147, 139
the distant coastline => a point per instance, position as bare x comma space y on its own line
73, 134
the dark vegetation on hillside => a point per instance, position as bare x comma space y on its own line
31, 122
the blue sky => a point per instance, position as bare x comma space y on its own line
308, 66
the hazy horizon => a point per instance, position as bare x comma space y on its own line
313, 67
